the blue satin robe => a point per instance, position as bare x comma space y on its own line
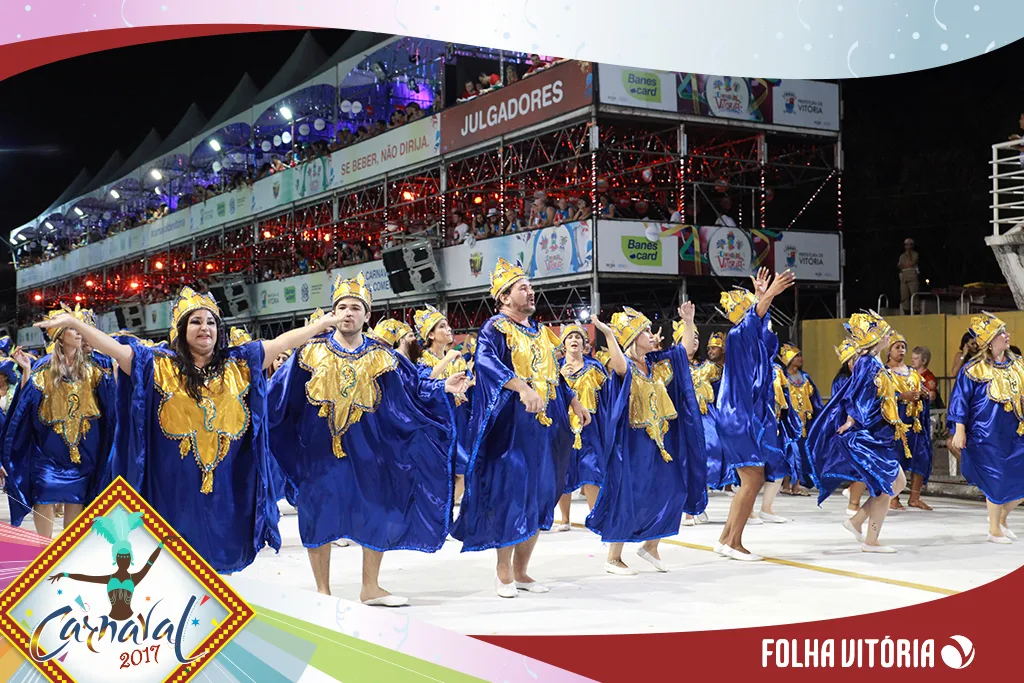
644, 497
229, 525
993, 459
586, 466
920, 443
747, 427
868, 451
38, 459
463, 432
793, 430
712, 444
838, 383
517, 466
393, 488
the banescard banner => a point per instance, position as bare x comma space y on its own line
636, 247
72, 613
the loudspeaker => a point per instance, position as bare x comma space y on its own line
131, 317
411, 267
233, 299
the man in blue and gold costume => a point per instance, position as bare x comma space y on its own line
516, 469
803, 405
367, 444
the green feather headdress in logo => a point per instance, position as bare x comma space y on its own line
115, 527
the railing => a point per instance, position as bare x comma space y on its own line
964, 308
879, 308
1007, 186
938, 303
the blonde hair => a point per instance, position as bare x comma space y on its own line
73, 370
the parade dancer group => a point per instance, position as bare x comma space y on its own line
378, 437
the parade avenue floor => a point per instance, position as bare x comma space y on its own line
814, 570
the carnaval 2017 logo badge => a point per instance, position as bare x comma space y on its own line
729, 252
120, 596
727, 97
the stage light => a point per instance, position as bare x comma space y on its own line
156, 189
286, 113
378, 69
37, 297
49, 225
408, 196
209, 266
327, 237
214, 145
22, 238
478, 200
89, 283
156, 174
134, 285
79, 211
267, 234
78, 297
159, 265
115, 194
286, 138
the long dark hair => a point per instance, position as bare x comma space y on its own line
415, 350
195, 378
844, 371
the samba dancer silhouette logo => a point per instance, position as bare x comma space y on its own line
115, 528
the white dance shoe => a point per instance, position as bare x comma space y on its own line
619, 571
1009, 534
719, 549
734, 554
1001, 540
505, 590
531, 587
882, 549
848, 525
655, 562
850, 513
702, 518
341, 543
774, 519
387, 601
689, 521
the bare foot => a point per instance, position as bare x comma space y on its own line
919, 504
895, 504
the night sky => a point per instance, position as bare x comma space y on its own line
917, 145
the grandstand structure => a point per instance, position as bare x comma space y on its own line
676, 185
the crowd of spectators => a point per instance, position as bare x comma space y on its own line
487, 82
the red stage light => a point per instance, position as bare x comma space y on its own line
38, 297
327, 237
408, 196
89, 283
159, 265
134, 285
209, 266
267, 234
78, 297
478, 200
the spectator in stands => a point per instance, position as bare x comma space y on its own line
469, 91
514, 222
510, 75
562, 214
486, 81
493, 227
542, 214
536, 64
362, 133
908, 266
582, 212
397, 117
380, 127
461, 228
605, 208
968, 348
343, 138
413, 112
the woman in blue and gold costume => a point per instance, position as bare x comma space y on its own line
60, 428
707, 377
437, 361
515, 475
192, 437
588, 380
913, 407
366, 442
747, 426
803, 405
986, 406
859, 435
657, 468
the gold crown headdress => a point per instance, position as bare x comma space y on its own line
736, 302
504, 275
867, 329
469, 345
390, 330
425, 320
570, 329
354, 288
846, 350
716, 339
677, 331
627, 326
603, 356
187, 303
314, 316
238, 336
787, 353
83, 314
984, 328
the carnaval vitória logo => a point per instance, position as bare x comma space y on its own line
119, 595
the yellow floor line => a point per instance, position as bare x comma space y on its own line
823, 570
